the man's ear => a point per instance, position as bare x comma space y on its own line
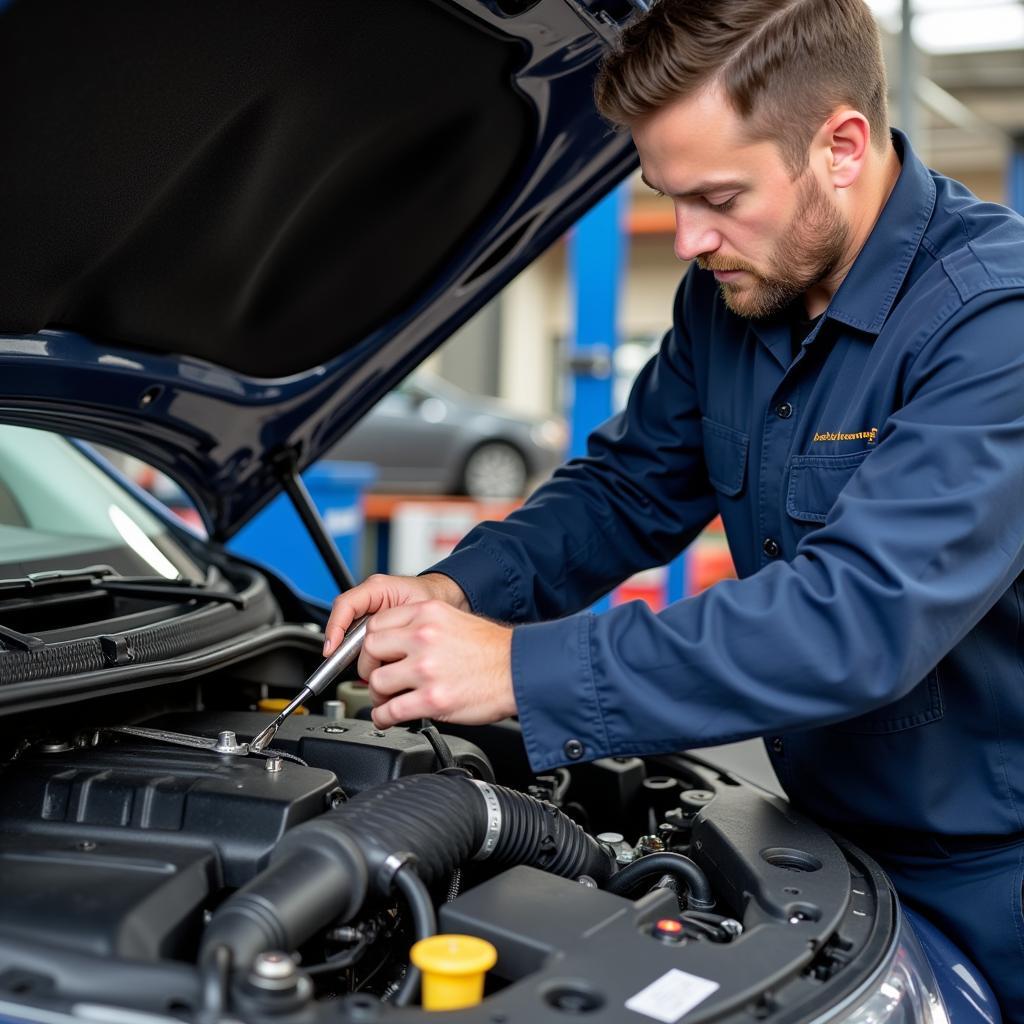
846, 138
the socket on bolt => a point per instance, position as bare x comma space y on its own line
227, 743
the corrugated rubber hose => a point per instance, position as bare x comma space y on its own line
321, 871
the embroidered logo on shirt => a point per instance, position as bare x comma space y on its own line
862, 435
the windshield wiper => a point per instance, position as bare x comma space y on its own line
103, 577
13, 640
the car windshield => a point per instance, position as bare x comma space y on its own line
59, 510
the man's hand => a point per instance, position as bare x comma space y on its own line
430, 660
379, 592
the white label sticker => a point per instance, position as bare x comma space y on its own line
672, 995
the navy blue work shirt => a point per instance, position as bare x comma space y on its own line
872, 492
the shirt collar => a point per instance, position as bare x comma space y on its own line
868, 291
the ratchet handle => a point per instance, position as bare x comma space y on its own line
340, 660
347, 652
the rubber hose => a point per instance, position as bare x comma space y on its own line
403, 815
424, 922
562, 783
654, 865
443, 753
539, 834
321, 870
300, 893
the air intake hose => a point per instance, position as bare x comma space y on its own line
320, 871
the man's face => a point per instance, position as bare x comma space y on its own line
766, 236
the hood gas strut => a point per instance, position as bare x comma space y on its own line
285, 466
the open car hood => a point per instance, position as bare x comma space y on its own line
230, 227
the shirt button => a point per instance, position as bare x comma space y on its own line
573, 750
776, 744
771, 547
784, 411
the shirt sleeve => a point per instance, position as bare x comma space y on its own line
639, 497
921, 542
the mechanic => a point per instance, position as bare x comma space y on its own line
844, 384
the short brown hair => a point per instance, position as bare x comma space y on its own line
784, 64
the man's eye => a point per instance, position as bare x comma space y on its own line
721, 207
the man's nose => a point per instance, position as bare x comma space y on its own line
694, 236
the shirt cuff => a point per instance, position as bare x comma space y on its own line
553, 681
491, 585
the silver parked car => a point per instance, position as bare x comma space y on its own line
427, 435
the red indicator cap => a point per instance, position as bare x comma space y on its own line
668, 925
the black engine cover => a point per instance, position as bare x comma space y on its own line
118, 849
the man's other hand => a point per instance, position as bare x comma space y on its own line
430, 660
380, 592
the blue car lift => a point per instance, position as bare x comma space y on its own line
597, 262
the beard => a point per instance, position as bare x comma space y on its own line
810, 249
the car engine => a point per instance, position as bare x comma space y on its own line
162, 867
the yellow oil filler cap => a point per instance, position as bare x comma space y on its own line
453, 969
276, 705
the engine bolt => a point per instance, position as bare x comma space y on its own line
692, 800
273, 764
274, 966
649, 844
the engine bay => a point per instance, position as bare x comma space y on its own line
152, 864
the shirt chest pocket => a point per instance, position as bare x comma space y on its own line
815, 482
725, 453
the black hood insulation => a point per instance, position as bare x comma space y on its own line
258, 183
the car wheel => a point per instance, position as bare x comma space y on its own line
495, 470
